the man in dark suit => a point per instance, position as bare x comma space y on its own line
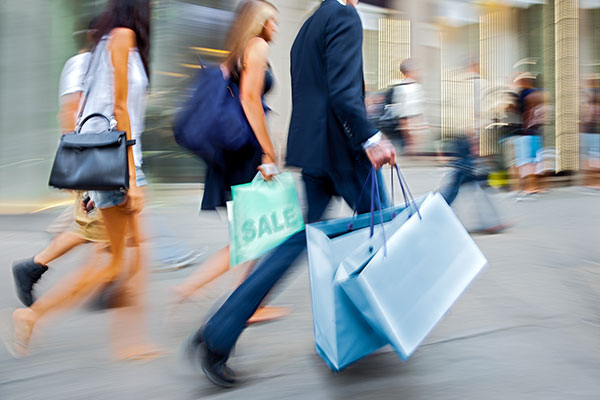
333, 142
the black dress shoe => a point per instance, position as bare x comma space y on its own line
214, 365
26, 273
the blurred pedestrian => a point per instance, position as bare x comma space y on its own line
248, 41
468, 167
590, 132
116, 85
333, 142
82, 227
403, 119
528, 143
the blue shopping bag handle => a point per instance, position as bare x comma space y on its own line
375, 195
376, 200
408, 200
375, 189
406, 193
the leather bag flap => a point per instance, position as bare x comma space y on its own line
109, 138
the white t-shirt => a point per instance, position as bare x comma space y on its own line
73, 74
408, 99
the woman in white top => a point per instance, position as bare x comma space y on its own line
75, 226
117, 85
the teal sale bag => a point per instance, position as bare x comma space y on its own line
262, 215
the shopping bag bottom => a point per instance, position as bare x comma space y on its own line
340, 368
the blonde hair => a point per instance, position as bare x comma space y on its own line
249, 22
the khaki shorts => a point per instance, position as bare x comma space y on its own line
88, 226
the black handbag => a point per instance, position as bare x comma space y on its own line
91, 161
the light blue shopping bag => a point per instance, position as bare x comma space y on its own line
262, 215
342, 335
404, 281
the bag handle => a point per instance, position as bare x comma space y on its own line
408, 200
95, 115
259, 178
375, 189
375, 205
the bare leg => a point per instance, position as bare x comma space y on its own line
591, 174
62, 294
128, 326
514, 179
216, 266
60, 245
210, 270
528, 178
80, 284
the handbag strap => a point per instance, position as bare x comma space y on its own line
89, 84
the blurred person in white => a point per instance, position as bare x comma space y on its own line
590, 132
406, 103
121, 56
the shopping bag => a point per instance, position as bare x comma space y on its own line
342, 335
403, 284
477, 209
264, 214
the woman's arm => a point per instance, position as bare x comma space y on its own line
67, 115
251, 90
122, 41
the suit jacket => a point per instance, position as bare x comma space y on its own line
329, 120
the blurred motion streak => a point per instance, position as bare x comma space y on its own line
505, 39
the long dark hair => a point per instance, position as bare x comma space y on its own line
132, 14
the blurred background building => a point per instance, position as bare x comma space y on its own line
556, 40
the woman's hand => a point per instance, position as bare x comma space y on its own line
87, 204
268, 159
268, 168
135, 199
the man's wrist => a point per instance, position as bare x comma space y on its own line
373, 140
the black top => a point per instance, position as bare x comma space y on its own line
269, 79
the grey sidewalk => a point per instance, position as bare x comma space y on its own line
528, 327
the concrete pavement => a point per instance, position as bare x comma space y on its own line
527, 328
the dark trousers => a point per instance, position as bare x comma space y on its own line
463, 171
458, 177
222, 330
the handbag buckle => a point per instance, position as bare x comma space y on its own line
113, 123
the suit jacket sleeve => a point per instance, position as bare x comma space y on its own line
343, 56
